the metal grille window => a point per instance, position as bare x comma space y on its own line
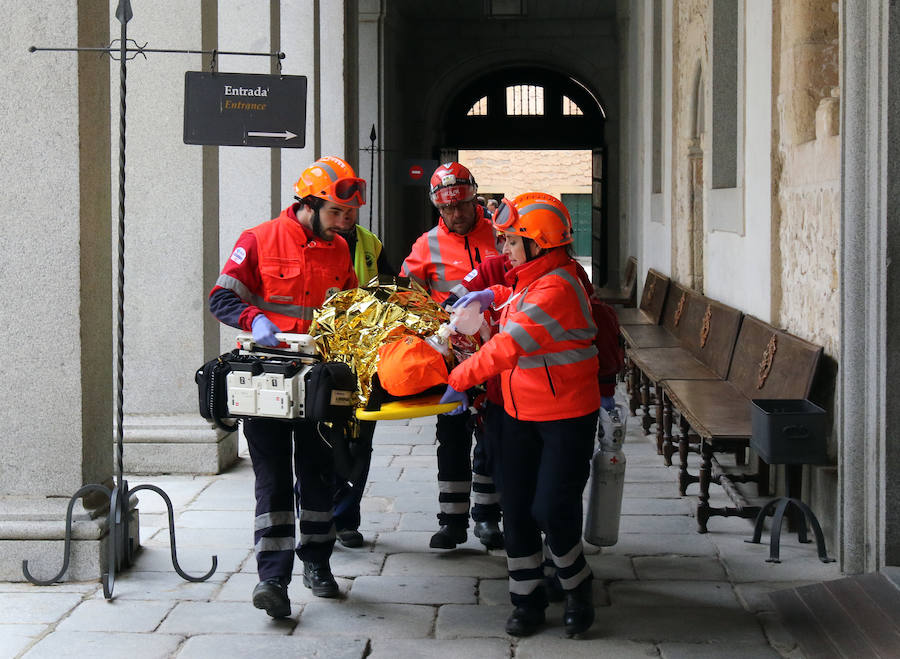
570, 108
479, 108
524, 100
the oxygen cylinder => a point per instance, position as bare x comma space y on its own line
601, 523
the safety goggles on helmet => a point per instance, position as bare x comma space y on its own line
450, 194
347, 192
505, 217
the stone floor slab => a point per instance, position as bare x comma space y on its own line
424, 462
378, 522
755, 596
551, 642
193, 560
658, 524
352, 563
673, 594
609, 567
401, 435
402, 541
239, 588
427, 504
716, 651
405, 489
116, 616
189, 618
466, 621
458, 563
238, 537
389, 474
36, 607
391, 450
164, 586
660, 544
227, 646
15, 638
482, 648
656, 507
686, 625
678, 567
103, 645
361, 619
416, 590
211, 519
424, 449
376, 505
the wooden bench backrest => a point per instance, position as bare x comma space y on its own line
675, 309
770, 363
711, 329
630, 280
653, 297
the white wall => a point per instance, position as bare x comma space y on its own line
738, 267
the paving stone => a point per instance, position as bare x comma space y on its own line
656, 544
226, 646
687, 625
649, 474
100, 645
210, 519
608, 567
461, 563
656, 507
419, 474
421, 521
659, 524
779, 637
402, 541
190, 618
124, 616
233, 538
378, 522
416, 461
239, 588
376, 504
653, 490
180, 489
15, 638
416, 590
193, 560
163, 586
678, 567
360, 619
493, 592
673, 594
390, 450
483, 648
755, 596
36, 607
406, 489
425, 449
471, 621
552, 642
746, 562
715, 651
380, 460
391, 473
426, 504
84, 587
352, 563
387, 435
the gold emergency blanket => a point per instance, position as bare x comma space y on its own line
351, 325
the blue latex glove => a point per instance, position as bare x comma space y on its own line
454, 396
484, 299
264, 331
608, 403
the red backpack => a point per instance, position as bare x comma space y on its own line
609, 348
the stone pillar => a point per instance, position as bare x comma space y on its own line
171, 250
56, 275
869, 418
300, 37
369, 67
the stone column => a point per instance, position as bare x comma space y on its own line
171, 250
56, 278
369, 102
869, 418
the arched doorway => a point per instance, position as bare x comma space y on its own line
536, 108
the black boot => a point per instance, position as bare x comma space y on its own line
271, 595
524, 621
554, 589
579, 614
448, 537
318, 578
350, 538
490, 534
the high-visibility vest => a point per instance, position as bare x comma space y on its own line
545, 350
297, 273
440, 258
365, 256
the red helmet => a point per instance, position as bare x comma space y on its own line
332, 179
452, 182
536, 215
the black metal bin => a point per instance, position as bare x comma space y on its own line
788, 431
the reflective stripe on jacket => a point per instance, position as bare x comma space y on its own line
440, 258
296, 273
545, 351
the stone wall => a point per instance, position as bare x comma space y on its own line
515, 172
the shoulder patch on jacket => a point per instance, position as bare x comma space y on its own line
238, 255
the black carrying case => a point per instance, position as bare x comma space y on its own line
329, 392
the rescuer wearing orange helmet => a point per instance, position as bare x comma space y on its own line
278, 273
439, 260
547, 361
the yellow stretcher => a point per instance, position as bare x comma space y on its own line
408, 408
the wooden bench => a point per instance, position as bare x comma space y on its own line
708, 333
653, 297
625, 295
766, 363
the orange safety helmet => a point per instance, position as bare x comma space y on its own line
452, 182
409, 366
332, 179
536, 215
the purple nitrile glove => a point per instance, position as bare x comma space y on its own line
484, 298
264, 331
454, 396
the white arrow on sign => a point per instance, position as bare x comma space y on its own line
286, 135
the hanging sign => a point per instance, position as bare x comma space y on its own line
417, 172
244, 109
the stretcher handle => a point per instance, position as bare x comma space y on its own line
303, 344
